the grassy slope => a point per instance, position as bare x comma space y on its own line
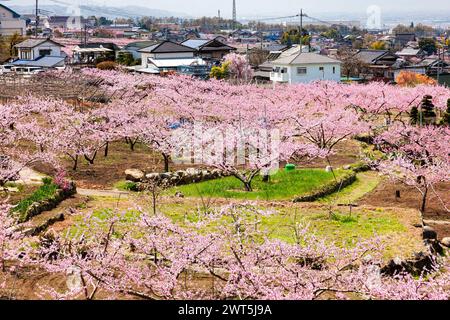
365, 182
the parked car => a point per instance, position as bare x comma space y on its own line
26, 71
6, 68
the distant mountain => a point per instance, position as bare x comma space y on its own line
93, 10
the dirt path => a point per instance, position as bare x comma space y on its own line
103, 193
30, 177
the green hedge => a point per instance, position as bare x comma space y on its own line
347, 179
46, 198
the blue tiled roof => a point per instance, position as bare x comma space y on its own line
195, 44
44, 62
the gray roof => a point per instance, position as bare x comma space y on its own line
430, 62
139, 44
31, 43
15, 14
409, 52
305, 58
167, 47
195, 44
207, 45
370, 56
44, 62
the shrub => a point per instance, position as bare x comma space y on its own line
343, 218
359, 166
221, 72
107, 65
127, 186
125, 58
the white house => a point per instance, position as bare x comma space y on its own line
167, 56
39, 53
305, 67
11, 22
32, 49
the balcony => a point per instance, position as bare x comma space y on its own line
279, 77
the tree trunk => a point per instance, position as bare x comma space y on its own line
248, 186
166, 162
423, 205
106, 148
75, 163
332, 170
91, 160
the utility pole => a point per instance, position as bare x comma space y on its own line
234, 14
301, 30
85, 34
37, 19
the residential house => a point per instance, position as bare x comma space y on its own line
379, 63
212, 50
11, 22
305, 67
428, 66
168, 56
134, 47
211, 36
263, 72
408, 53
279, 51
31, 49
401, 40
40, 53
94, 52
136, 33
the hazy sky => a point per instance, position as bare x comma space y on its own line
267, 7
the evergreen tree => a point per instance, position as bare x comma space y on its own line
446, 117
414, 115
428, 107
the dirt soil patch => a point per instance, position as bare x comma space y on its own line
384, 196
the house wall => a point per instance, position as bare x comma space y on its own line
10, 25
55, 51
313, 73
172, 55
415, 70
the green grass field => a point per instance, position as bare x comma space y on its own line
282, 186
364, 184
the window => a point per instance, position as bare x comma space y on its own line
45, 52
301, 70
25, 55
334, 70
321, 69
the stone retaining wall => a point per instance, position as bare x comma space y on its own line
180, 177
47, 204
